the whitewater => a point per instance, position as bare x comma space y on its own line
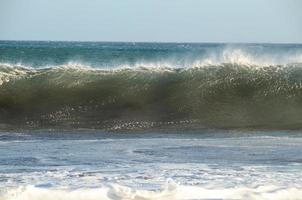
106, 120
207, 164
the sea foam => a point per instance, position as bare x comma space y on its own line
170, 191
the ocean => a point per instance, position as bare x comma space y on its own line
121, 121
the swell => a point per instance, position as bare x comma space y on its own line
226, 95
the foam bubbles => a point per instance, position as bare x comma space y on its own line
170, 190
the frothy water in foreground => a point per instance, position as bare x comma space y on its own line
208, 164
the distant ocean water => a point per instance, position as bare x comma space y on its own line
101, 120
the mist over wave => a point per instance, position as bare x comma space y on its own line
115, 55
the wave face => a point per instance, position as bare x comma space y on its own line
150, 86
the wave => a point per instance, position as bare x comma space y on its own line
170, 191
211, 95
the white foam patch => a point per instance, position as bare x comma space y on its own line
9, 71
170, 191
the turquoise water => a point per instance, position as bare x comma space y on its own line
115, 54
92, 120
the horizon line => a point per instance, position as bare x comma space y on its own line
162, 42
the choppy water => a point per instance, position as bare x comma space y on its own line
150, 121
208, 164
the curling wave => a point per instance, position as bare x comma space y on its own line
225, 95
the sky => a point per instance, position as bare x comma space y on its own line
270, 21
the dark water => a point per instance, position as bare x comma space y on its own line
126, 86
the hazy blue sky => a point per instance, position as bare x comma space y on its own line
152, 20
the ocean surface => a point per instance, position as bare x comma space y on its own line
121, 121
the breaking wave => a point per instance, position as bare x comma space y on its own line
235, 94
